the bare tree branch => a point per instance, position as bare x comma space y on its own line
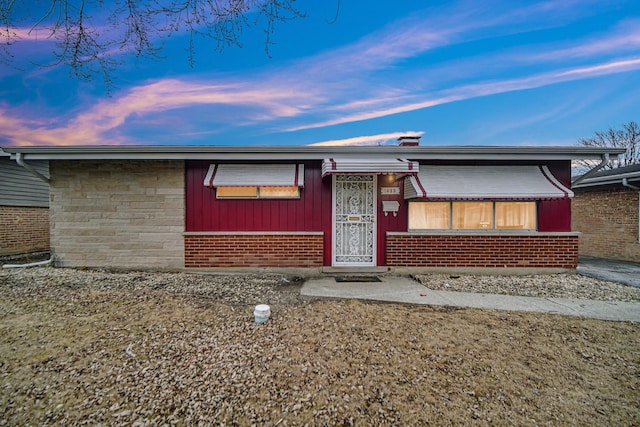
628, 137
135, 27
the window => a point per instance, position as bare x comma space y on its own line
429, 216
223, 192
516, 215
472, 215
255, 181
258, 192
277, 192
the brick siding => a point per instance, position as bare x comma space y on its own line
608, 223
537, 251
23, 229
114, 213
254, 250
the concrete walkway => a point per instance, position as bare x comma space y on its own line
406, 290
627, 273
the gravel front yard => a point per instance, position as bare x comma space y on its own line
139, 348
572, 286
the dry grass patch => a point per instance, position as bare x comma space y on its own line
64, 360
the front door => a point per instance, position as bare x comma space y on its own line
354, 220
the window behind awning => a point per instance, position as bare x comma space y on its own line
484, 182
373, 166
255, 175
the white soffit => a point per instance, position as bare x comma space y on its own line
255, 175
371, 166
485, 182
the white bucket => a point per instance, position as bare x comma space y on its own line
262, 313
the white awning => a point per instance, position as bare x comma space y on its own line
373, 166
255, 175
484, 182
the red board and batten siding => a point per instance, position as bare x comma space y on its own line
206, 213
390, 222
555, 215
252, 233
280, 221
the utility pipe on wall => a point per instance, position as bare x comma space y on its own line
32, 264
20, 160
625, 183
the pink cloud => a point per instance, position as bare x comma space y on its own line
23, 34
109, 116
483, 89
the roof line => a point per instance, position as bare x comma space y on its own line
607, 179
467, 152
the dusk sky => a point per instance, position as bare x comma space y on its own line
457, 73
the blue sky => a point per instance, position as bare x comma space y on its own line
457, 73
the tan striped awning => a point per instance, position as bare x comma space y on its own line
255, 175
484, 182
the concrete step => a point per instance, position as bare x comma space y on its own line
355, 270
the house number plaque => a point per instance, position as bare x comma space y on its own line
389, 190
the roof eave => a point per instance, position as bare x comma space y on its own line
608, 180
310, 152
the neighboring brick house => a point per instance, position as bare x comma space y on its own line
406, 207
24, 208
606, 213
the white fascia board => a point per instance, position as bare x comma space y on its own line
608, 179
312, 153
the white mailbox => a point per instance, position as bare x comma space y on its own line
390, 206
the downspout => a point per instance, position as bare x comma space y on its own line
603, 163
32, 264
625, 183
20, 160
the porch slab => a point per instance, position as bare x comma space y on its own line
355, 270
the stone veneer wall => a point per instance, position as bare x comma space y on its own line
535, 250
608, 222
23, 229
117, 213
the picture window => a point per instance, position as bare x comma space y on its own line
472, 215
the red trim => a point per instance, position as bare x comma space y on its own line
410, 164
424, 192
334, 165
552, 181
215, 169
295, 179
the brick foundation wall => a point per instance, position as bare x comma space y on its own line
254, 250
23, 229
117, 213
541, 250
608, 221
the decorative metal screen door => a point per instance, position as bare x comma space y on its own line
354, 220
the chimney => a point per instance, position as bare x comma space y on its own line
409, 141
